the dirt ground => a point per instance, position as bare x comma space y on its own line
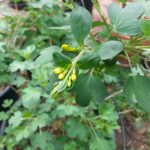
137, 138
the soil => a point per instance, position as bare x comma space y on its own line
136, 138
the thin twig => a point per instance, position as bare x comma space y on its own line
98, 8
114, 94
128, 60
126, 111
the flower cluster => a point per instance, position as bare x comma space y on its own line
62, 73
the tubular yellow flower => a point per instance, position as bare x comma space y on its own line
61, 76
72, 49
66, 47
58, 70
69, 83
73, 77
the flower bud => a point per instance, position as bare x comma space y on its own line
66, 47
73, 77
61, 76
58, 70
69, 84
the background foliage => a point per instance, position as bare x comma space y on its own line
66, 76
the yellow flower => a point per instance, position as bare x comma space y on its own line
73, 77
58, 70
61, 76
66, 47
69, 83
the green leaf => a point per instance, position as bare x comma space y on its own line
107, 112
125, 21
63, 111
89, 87
137, 89
100, 144
42, 120
82, 87
89, 61
22, 133
70, 146
98, 89
109, 50
16, 120
31, 98
3, 116
42, 140
46, 55
17, 65
20, 80
7, 103
61, 60
76, 129
145, 26
81, 23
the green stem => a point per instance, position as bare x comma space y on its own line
78, 56
98, 8
92, 37
96, 136
74, 63
128, 60
138, 47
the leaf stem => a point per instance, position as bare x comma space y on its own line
138, 47
74, 63
96, 136
128, 59
98, 8
78, 56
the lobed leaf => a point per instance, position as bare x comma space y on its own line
125, 21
